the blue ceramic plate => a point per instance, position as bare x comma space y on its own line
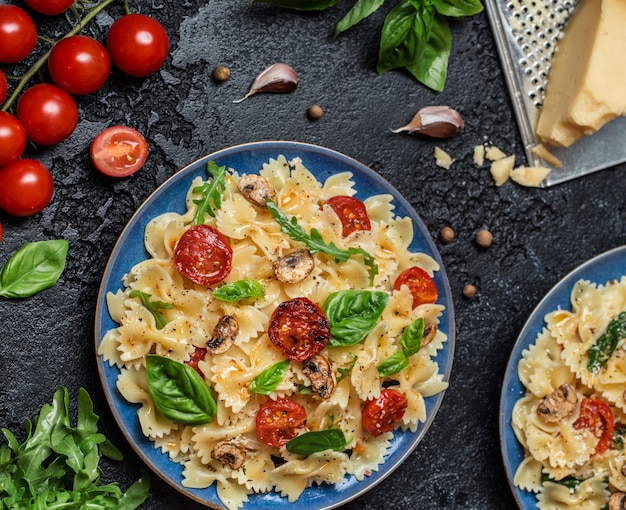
129, 250
600, 269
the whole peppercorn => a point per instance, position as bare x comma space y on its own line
221, 73
315, 112
446, 235
469, 291
484, 238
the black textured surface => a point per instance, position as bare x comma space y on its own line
539, 234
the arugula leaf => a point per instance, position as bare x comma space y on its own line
604, 347
153, 307
359, 11
269, 379
241, 289
317, 441
211, 192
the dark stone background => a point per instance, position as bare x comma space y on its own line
539, 234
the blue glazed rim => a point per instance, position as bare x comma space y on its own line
129, 250
600, 269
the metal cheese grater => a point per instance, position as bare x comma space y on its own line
526, 34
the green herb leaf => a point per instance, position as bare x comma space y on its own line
395, 363
241, 289
457, 8
268, 380
345, 372
411, 339
317, 441
299, 5
211, 192
353, 314
359, 11
33, 268
604, 347
153, 307
178, 391
619, 437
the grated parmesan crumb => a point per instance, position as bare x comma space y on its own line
530, 176
479, 154
501, 169
442, 158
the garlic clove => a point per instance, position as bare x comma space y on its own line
434, 121
278, 77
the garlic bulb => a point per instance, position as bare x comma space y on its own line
434, 121
278, 77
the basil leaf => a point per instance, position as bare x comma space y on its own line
359, 11
269, 379
353, 314
33, 268
211, 192
299, 5
395, 363
411, 339
604, 347
345, 372
317, 441
399, 37
153, 307
178, 391
457, 8
241, 289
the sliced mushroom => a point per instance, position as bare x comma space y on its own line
319, 370
558, 404
224, 334
256, 189
294, 267
617, 501
430, 330
229, 453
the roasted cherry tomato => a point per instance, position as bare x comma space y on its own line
196, 357
49, 7
12, 139
25, 187
18, 34
299, 328
382, 414
420, 283
203, 255
597, 416
119, 151
280, 420
3, 86
79, 64
351, 212
138, 44
48, 114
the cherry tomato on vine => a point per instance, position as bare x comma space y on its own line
26, 187
138, 44
3, 86
119, 151
48, 114
597, 416
382, 414
420, 283
12, 139
49, 7
18, 34
278, 421
203, 255
351, 212
79, 64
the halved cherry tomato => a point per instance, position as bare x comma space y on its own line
279, 421
597, 416
299, 328
3, 86
49, 7
119, 151
18, 34
420, 283
12, 139
196, 357
382, 414
26, 187
203, 255
351, 212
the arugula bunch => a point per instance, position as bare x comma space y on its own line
57, 466
415, 36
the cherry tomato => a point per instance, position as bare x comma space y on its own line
12, 139
420, 283
351, 212
48, 114
203, 255
138, 44
18, 34
299, 328
196, 357
49, 7
3, 86
382, 414
119, 151
79, 64
25, 187
597, 416
280, 420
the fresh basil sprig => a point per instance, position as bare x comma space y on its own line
604, 347
353, 314
211, 192
315, 242
241, 289
153, 307
317, 441
268, 380
33, 268
410, 343
178, 391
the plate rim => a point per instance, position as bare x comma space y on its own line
420, 230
